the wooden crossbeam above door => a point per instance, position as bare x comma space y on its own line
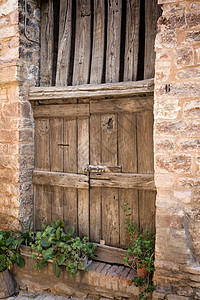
92, 91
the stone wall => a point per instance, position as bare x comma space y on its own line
177, 156
19, 65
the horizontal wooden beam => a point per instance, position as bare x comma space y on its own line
92, 91
109, 254
102, 253
61, 111
134, 104
123, 180
66, 180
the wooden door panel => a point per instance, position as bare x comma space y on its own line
127, 142
130, 197
56, 158
110, 216
95, 214
42, 194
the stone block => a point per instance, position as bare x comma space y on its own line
185, 57
178, 163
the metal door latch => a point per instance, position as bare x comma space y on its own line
95, 169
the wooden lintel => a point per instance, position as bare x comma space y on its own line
109, 254
123, 180
60, 179
92, 91
61, 111
134, 104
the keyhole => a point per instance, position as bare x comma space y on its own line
110, 124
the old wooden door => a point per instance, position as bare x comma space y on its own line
93, 153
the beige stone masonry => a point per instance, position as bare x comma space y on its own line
177, 151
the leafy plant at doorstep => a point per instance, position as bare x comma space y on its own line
140, 252
9, 253
54, 244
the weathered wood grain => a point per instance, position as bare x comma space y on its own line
145, 142
127, 142
129, 196
61, 111
114, 38
111, 255
42, 195
47, 43
83, 161
64, 44
95, 214
110, 201
134, 104
60, 179
152, 13
132, 40
147, 210
97, 63
83, 212
146, 165
82, 42
70, 200
123, 180
89, 91
56, 157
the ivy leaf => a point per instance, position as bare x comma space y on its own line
48, 253
61, 259
56, 269
20, 261
67, 237
45, 243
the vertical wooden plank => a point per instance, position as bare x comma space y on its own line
42, 156
64, 44
127, 150
70, 148
110, 216
152, 13
70, 166
83, 144
95, 193
83, 161
113, 38
130, 197
145, 142
145, 165
98, 42
82, 42
56, 156
147, 210
47, 43
95, 214
110, 197
132, 40
109, 139
83, 212
95, 140
42, 194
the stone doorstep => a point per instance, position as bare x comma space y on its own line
102, 280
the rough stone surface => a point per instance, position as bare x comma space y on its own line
19, 67
176, 140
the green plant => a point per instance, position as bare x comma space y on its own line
8, 251
25, 235
54, 244
140, 252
